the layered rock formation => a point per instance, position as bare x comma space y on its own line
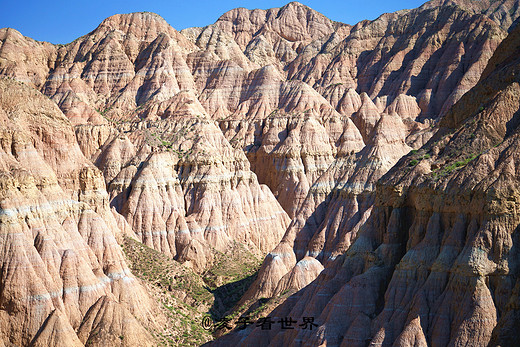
194, 195
59, 254
337, 205
263, 123
133, 67
278, 62
436, 263
340, 201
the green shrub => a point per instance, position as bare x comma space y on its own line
413, 162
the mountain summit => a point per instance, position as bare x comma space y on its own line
274, 163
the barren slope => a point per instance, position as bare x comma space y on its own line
270, 128
437, 261
60, 262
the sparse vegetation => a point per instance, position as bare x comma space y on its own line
155, 267
172, 278
215, 292
103, 114
416, 160
235, 141
230, 276
446, 170
273, 113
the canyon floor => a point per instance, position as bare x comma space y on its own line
164, 187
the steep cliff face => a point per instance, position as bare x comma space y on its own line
130, 90
126, 61
263, 123
414, 63
58, 252
337, 203
503, 13
437, 260
185, 191
288, 153
256, 64
25, 59
434, 54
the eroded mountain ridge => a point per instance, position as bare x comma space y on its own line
269, 128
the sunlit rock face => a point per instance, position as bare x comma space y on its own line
391, 106
275, 129
196, 195
255, 64
58, 251
436, 263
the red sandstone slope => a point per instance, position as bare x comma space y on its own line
417, 63
328, 217
184, 190
185, 127
134, 67
437, 261
58, 254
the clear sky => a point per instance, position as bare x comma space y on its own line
64, 21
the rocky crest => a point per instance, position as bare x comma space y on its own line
59, 254
270, 128
436, 263
258, 64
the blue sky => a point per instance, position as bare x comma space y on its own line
64, 21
